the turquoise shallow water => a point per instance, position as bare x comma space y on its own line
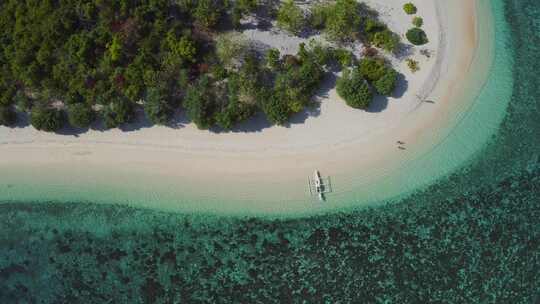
471, 237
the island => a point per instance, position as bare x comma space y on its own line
232, 105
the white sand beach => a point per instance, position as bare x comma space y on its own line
260, 168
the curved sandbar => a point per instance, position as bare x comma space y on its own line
265, 171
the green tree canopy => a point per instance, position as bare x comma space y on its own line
7, 95
247, 5
276, 109
200, 103
157, 106
409, 8
80, 115
46, 119
387, 40
372, 69
354, 89
22, 102
319, 15
344, 57
183, 49
387, 83
115, 49
207, 12
233, 110
273, 58
343, 20
296, 86
230, 48
290, 17
118, 111
417, 36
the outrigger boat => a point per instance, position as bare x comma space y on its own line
319, 186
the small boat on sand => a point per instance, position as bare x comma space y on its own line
319, 186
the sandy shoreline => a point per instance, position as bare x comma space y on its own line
269, 164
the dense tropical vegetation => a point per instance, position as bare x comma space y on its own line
93, 58
46, 119
7, 116
80, 115
371, 75
77, 61
291, 17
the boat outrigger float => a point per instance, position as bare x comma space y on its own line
319, 186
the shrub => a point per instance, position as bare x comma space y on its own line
22, 102
80, 115
354, 89
378, 34
418, 21
157, 107
115, 49
230, 48
240, 7
343, 20
417, 36
387, 83
234, 111
372, 69
344, 57
272, 59
410, 8
207, 13
413, 65
387, 40
73, 98
319, 53
6, 96
372, 26
302, 53
249, 77
8, 117
46, 119
296, 86
119, 111
290, 17
247, 5
199, 103
218, 72
382, 77
319, 15
182, 49
276, 109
